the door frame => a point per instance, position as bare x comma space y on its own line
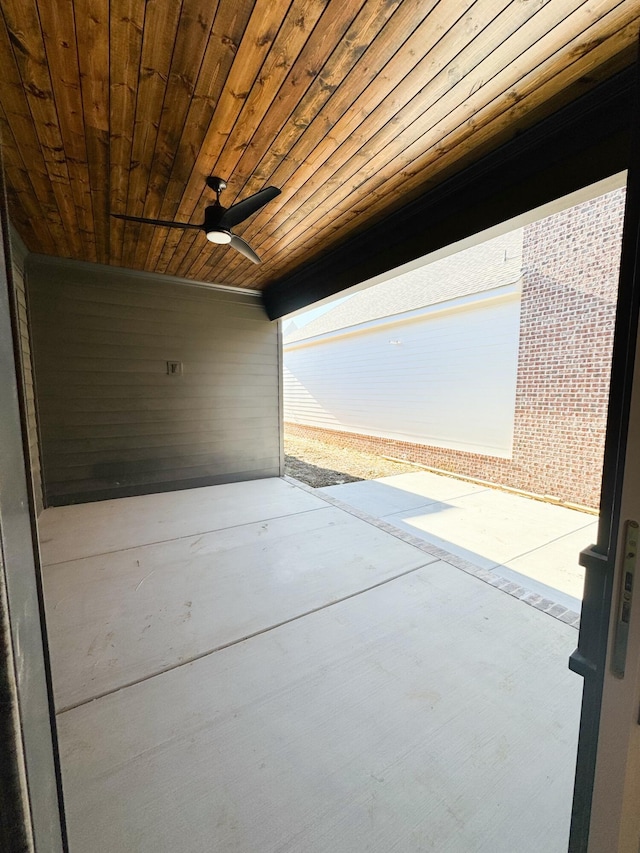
614, 820
608, 771
603, 781
30, 783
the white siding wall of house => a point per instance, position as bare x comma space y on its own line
444, 375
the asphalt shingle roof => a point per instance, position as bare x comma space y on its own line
491, 264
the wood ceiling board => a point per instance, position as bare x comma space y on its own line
26, 213
24, 33
350, 109
188, 52
382, 66
359, 40
584, 142
20, 120
335, 34
384, 200
411, 177
93, 54
291, 38
58, 28
359, 60
337, 26
160, 31
224, 39
378, 153
407, 174
257, 40
125, 36
374, 141
189, 55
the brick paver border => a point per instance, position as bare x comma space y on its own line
539, 602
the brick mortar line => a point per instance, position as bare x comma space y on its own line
533, 599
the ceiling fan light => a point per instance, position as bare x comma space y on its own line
218, 235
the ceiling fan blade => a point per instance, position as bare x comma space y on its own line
244, 248
237, 213
156, 221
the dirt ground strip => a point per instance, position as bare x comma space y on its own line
319, 464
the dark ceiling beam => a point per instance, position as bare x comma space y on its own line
584, 142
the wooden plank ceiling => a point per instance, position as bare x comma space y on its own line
350, 108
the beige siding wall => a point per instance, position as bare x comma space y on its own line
113, 422
18, 257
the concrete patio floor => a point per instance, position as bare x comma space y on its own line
529, 542
250, 669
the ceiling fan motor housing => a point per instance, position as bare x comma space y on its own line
213, 216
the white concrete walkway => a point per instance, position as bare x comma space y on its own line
248, 669
529, 542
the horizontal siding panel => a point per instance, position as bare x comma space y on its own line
96, 311
137, 431
145, 323
123, 448
133, 477
141, 365
136, 393
446, 380
127, 468
122, 286
172, 407
182, 415
18, 279
164, 420
113, 420
149, 358
134, 296
83, 301
209, 377
68, 495
125, 290
156, 483
203, 368
142, 321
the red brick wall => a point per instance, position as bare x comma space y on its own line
569, 293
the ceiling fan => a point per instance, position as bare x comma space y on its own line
219, 220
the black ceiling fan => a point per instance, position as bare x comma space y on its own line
219, 220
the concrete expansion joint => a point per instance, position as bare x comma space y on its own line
532, 599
